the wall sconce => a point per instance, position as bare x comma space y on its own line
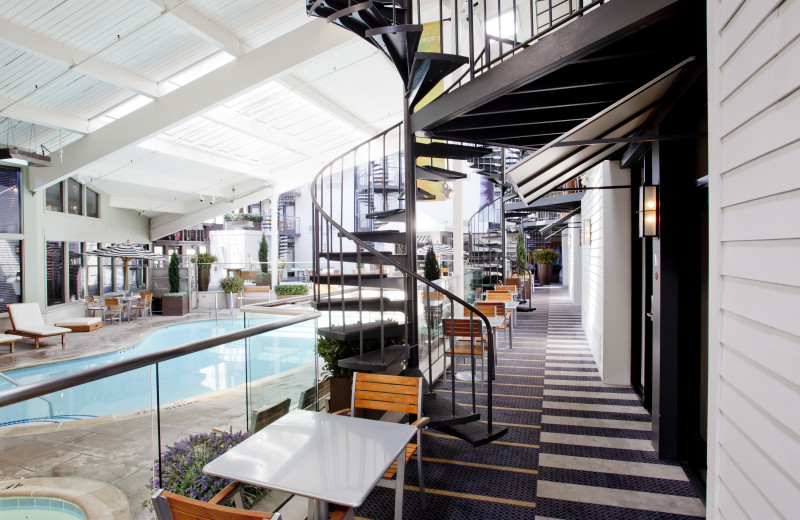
587, 232
648, 211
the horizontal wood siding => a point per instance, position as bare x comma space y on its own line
754, 101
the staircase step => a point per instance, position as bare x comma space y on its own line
399, 43
449, 151
374, 360
391, 329
427, 70
373, 280
391, 215
440, 411
475, 433
369, 303
365, 257
388, 236
433, 173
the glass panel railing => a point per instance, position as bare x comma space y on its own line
139, 419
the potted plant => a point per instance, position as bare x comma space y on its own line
230, 285
181, 467
263, 278
290, 290
522, 262
544, 259
204, 261
432, 271
175, 302
431, 298
331, 351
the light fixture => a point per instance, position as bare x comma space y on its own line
648, 211
447, 191
22, 157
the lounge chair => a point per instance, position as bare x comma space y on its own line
87, 324
9, 339
26, 320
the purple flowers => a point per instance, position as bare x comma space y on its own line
182, 466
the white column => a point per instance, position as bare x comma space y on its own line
273, 240
458, 238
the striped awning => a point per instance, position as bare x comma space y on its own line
591, 142
126, 251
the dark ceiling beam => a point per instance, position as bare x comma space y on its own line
508, 104
584, 36
543, 116
531, 130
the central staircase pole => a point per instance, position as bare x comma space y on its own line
411, 238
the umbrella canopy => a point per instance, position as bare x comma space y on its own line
127, 252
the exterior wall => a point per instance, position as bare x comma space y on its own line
571, 258
605, 272
754, 214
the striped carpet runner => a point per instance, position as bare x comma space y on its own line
576, 449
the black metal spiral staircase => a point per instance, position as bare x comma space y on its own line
371, 302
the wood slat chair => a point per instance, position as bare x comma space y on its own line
144, 305
316, 395
393, 394
264, 417
510, 288
470, 337
499, 296
115, 308
169, 506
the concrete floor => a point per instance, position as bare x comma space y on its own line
119, 450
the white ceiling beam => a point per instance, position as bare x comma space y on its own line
148, 205
321, 101
164, 224
42, 116
232, 79
50, 50
203, 27
254, 128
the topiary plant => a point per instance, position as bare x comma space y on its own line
545, 256
204, 260
522, 254
231, 284
263, 254
174, 273
432, 271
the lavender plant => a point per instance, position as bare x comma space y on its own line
182, 467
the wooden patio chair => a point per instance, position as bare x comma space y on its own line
396, 394
315, 398
264, 417
169, 506
115, 308
467, 338
144, 305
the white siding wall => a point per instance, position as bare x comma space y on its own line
572, 259
605, 283
754, 143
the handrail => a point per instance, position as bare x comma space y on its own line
361, 244
17, 383
38, 389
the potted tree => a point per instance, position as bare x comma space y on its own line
230, 285
175, 302
431, 299
544, 259
204, 261
263, 278
522, 262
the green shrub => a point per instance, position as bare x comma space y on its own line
263, 254
332, 350
522, 254
236, 217
294, 289
231, 284
204, 260
545, 256
432, 271
174, 273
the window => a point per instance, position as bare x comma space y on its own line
55, 273
10, 273
119, 274
92, 271
137, 277
74, 198
54, 200
10, 215
75, 272
92, 203
105, 263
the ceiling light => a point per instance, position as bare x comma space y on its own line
447, 191
18, 156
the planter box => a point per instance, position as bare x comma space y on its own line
263, 279
175, 305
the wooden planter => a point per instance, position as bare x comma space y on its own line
544, 271
203, 279
175, 305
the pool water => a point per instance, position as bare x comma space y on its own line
211, 370
39, 508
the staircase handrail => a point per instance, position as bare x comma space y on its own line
361, 244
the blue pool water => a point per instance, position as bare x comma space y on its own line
182, 378
39, 508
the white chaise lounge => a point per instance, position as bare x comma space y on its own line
26, 320
80, 324
9, 339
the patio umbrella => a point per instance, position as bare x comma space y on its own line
127, 252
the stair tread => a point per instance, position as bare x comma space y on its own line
439, 410
435, 173
476, 433
427, 70
371, 330
390, 235
450, 151
374, 361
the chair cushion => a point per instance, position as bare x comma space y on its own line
78, 322
9, 338
25, 315
42, 330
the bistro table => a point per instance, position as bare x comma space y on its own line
327, 458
